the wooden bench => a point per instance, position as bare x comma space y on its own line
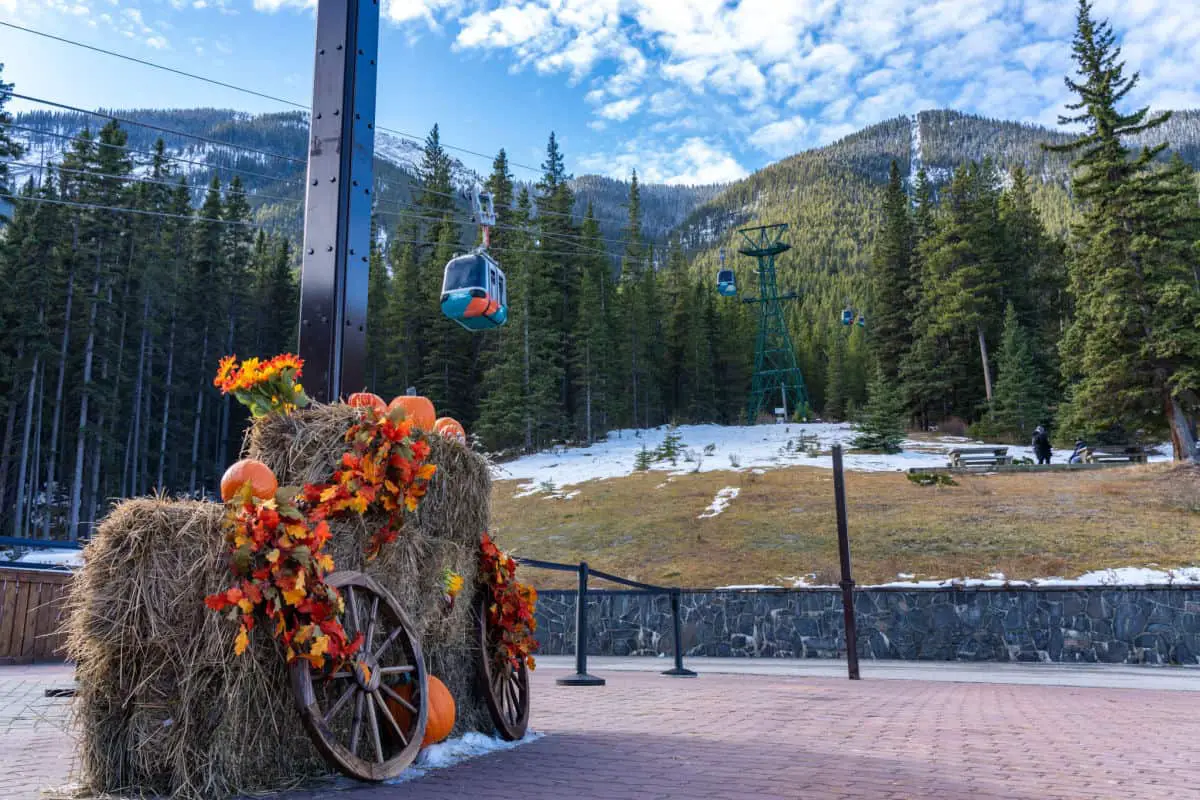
979, 457
1131, 453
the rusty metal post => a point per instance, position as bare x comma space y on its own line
581, 677
847, 582
337, 212
678, 671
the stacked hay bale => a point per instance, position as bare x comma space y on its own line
163, 705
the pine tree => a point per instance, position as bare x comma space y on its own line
555, 204
1019, 404
1124, 355
379, 338
891, 278
882, 424
593, 335
1034, 278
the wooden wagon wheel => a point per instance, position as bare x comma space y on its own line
505, 687
347, 714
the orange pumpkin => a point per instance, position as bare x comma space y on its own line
451, 429
440, 719
367, 400
262, 481
418, 409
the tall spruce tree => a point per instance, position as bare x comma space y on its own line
891, 277
1126, 354
1020, 393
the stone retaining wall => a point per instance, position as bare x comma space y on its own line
1118, 625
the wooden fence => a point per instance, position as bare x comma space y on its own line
31, 607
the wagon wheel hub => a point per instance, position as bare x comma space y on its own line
367, 674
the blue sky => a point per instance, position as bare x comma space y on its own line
686, 91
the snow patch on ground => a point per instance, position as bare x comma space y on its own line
720, 502
756, 449
62, 558
1119, 576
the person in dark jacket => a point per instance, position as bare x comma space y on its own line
1041, 445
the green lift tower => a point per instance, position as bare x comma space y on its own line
777, 378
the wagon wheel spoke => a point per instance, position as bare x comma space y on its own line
374, 729
392, 694
341, 701
387, 643
337, 676
396, 670
511, 693
356, 727
387, 714
353, 602
372, 618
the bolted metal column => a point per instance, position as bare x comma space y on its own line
337, 214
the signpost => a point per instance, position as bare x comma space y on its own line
338, 198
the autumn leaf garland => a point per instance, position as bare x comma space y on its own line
276, 545
511, 606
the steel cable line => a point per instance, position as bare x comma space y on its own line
159, 128
143, 62
452, 218
119, 209
567, 237
151, 181
242, 89
152, 154
540, 212
525, 250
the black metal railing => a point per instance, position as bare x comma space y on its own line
37, 544
581, 676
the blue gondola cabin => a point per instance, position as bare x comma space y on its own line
474, 292
847, 317
726, 283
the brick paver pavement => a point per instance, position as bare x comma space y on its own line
35, 746
735, 736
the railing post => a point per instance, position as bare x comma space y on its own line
581, 677
678, 671
847, 582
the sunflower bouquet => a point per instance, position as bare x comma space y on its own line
264, 387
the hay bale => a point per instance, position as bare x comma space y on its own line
163, 706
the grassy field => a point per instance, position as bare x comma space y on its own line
781, 525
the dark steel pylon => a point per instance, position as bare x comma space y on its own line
776, 374
337, 213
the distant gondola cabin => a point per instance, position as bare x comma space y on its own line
847, 317
474, 292
726, 283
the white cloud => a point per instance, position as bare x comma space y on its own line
781, 75
158, 42
272, 6
692, 161
782, 137
620, 110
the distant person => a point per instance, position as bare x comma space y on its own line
1077, 456
1041, 445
